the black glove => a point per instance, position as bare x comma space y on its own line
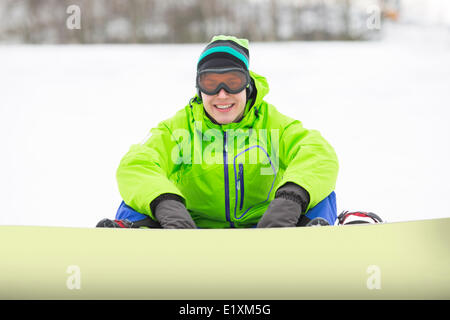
170, 211
285, 210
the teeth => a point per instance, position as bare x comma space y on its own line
223, 106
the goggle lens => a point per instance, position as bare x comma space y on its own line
231, 81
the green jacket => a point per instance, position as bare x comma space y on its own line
227, 174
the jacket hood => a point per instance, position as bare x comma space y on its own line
260, 90
261, 86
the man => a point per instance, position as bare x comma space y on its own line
228, 159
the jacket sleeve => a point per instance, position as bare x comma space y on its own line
309, 161
143, 173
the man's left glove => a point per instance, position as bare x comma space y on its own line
285, 210
171, 212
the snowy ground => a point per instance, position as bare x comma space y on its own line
69, 113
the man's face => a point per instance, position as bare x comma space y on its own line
215, 106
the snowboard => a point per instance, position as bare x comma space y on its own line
402, 260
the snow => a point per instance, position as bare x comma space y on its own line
69, 113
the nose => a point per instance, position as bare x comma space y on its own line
222, 93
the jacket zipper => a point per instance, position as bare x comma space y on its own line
227, 182
241, 184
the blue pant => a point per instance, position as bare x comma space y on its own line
326, 209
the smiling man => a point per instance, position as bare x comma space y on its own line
259, 168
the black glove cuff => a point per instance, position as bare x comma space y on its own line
162, 197
294, 192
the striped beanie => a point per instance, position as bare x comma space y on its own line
225, 52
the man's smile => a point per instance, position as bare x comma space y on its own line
224, 107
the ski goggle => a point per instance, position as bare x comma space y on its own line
233, 80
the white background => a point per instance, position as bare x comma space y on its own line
69, 113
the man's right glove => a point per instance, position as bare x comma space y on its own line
171, 212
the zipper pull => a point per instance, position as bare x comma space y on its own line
241, 184
225, 143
